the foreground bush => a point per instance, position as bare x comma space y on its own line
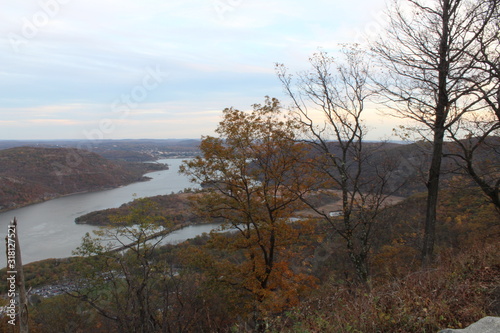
461, 289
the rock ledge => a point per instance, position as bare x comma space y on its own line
485, 325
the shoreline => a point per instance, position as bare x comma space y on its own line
143, 179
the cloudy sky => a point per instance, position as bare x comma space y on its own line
73, 69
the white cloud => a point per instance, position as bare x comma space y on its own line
91, 52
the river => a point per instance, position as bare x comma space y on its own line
47, 230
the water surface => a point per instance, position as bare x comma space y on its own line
47, 230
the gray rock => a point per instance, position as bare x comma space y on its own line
485, 325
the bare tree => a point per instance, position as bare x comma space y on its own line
478, 134
476, 153
486, 53
431, 76
329, 103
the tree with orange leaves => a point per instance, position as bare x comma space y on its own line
253, 184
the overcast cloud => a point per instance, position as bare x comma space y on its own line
72, 69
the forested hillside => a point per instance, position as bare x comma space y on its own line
174, 207
29, 175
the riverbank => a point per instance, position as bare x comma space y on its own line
143, 179
48, 230
173, 207
30, 175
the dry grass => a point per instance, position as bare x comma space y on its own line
461, 289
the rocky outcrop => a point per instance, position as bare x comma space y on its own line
485, 325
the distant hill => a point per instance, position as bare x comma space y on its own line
408, 164
132, 150
34, 174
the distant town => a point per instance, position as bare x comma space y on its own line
127, 150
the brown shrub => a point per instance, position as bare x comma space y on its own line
458, 291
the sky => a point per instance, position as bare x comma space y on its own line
117, 69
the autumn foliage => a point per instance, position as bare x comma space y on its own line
253, 186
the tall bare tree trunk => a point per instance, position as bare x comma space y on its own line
429, 51
437, 147
432, 199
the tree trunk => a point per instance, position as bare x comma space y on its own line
442, 109
432, 198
